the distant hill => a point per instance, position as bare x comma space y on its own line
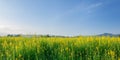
104, 34
108, 34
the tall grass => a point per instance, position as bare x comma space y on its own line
56, 48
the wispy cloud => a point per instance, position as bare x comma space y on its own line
96, 5
83, 8
92, 7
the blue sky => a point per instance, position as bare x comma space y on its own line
60, 17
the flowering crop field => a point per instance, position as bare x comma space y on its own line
58, 48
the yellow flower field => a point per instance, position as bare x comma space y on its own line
60, 48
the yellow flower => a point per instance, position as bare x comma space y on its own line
112, 53
66, 49
16, 47
20, 55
